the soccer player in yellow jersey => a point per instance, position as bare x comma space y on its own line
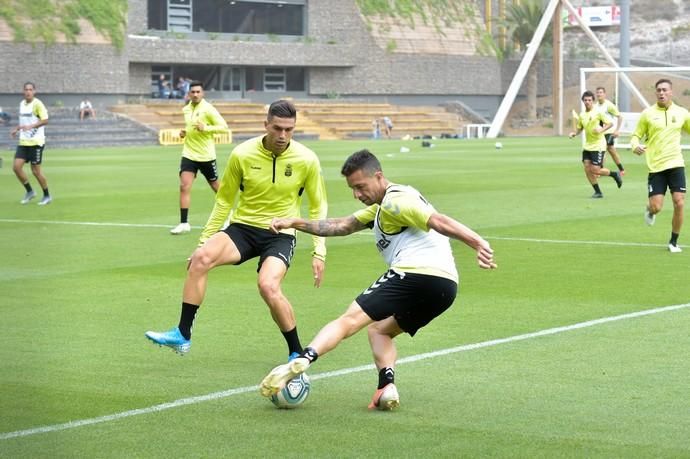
267, 176
202, 121
610, 112
33, 116
594, 124
660, 128
420, 284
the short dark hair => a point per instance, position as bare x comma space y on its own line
31, 83
196, 83
361, 160
601, 87
282, 109
663, 80
587, 94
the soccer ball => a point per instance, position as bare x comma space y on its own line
294, 393
499, 145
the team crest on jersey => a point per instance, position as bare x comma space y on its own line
382, 244
288, 170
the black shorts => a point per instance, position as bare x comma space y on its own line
30, 153
208, 168
595, 157
413, 300
673, 179
610, 139
258, 242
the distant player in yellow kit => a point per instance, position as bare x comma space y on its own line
594, 124
268, 175
202, 121
660, 128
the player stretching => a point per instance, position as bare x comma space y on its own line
33, 116
268, 175
594, 124
610, 111
420, 284
660, 127
201, 121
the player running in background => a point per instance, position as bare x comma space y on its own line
420, 284
660, 127
610, 111
33, 116
594, 124
202, 121
268, 175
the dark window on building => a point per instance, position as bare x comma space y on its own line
236, 17
295, 78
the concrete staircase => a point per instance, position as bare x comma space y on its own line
65, 130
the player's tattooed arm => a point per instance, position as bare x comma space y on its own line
329, 227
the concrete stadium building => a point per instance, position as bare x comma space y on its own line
260, 50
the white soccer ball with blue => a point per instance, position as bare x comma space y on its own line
499, 145
294, 393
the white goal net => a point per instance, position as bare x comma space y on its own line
639, 82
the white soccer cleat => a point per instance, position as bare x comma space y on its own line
46, 200
649, 219
28, 196
385, 399
280, 375
674, 248
181, 228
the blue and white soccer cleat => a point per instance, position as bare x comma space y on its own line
172, 339
293, 356
28, 196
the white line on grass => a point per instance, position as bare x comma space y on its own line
498, 238
331, 374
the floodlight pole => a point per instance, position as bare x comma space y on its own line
557, 72
624, 57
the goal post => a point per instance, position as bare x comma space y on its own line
642, 77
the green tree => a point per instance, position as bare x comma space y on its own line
39, 20
520, 24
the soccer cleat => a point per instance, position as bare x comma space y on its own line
618, 179
649, 218
172, 339
28, 196
45, 200
597, 195
293, 356
181, 228
674, 248
621, 172
280, 375
385, 399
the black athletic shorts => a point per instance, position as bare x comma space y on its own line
30, 153
413, 300
673, 179
596, 157
610, 139
208, 168
258, 242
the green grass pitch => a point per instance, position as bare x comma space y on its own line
83, 278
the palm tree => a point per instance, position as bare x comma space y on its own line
520, 23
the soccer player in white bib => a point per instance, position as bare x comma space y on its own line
33, 116
420, 284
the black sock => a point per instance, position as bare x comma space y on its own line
310, 354
620, 167
184, 215
187, 319
596, 188
674, 238
292, 340
27, 187
386, 376
45, 192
